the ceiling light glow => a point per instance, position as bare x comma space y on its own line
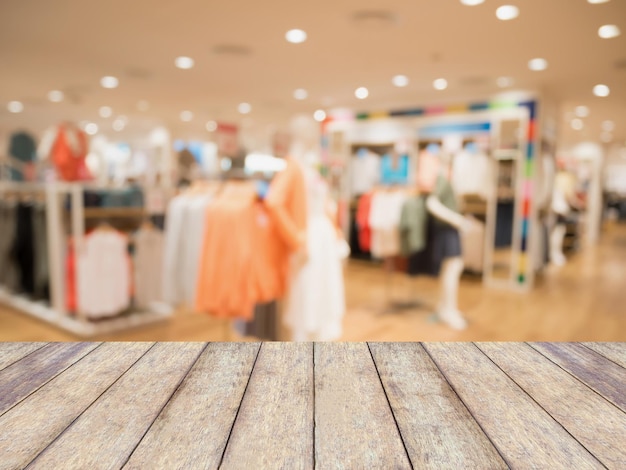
440, 84
608, 126
300, 94
295, 36
601, 90
56, 96
606, 137
184, 62
472, 3
319, 115
581, 111
504, 82
400, 81
244, 108
361, 93
507, 12
577, 124
15, 107
186, 116
537, 64
119, 124
109, 82
609, 31
595, 2
105, 112
211, 126
91, 128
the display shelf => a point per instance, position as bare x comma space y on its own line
113, 212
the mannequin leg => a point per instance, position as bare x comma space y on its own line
556, 245
450, 276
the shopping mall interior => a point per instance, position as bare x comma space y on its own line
331, 171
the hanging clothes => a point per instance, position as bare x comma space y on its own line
384, 220
472, 173
40, 240
104, 283
8, 266
394, 169
67, 147
315, 303
148, 267
23, 149
23, 250
364, 171
364, 207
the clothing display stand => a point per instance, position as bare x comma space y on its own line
56, 313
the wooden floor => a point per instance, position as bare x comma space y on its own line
312, 405
583, 301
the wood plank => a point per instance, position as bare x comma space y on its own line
525, 435
24, 377
274, 427
30, 426
436, 427
13, 352
193, 429
105, 435
593, 421
604, 376
616, 352
354, 425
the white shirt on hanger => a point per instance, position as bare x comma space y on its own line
384, 220
472, 174
365, 172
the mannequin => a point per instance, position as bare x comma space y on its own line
563, 200
66, 146
429, 175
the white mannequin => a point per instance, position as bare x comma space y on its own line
452, 268
564, 198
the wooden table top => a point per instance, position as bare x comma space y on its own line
312, 405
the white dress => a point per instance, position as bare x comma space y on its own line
315, 303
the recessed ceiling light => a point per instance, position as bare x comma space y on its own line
211, 126
440, 84
581, 111
91, 128
608, 31
244, 108
597, 1
538, 64
608, 126
361, 93
471, 3
606, 137
122, 118
504, 82
119, 124
295, 36
186, 116
109, 82
577, 124
319, 115
56, 96
300, 94
184, 62
143, 105
507, 12
105, 112
15, 107
400, 81
601, 90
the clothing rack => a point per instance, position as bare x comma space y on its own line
56, 313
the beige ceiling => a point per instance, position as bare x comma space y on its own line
69, 44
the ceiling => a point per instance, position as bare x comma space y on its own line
69, 45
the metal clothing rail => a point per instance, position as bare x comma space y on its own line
57, 314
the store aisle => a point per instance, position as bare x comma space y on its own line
582, 301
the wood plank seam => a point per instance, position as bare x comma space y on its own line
243, 395
539, 405
314, 421
601, 355
49, 379
88, 407
579, 379
393, 414
24, 357
445, 377
174, 391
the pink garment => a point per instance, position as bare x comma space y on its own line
427, 171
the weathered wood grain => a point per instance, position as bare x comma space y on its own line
525, 435
193, 429
437, 429
604, 376
105, 435
13, 352
616, 352
24, 377
354, 425
274, 426
30, 426
593, 421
